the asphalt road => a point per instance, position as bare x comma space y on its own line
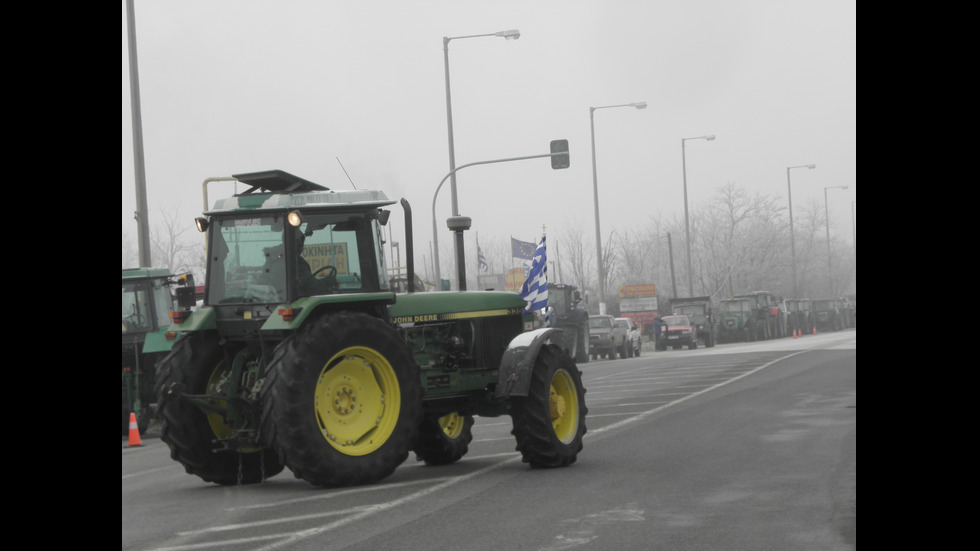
735, 447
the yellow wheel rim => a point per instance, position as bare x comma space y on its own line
452, 425
357, 400
563, 406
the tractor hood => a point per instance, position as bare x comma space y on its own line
454, 305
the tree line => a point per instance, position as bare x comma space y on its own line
740, 241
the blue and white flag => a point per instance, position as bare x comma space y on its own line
484, 266
535, 288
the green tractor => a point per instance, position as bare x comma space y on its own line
302, 356
736, 320
827, 314
799, 317
564, 299
147, 301
768, 321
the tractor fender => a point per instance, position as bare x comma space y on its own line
514, 374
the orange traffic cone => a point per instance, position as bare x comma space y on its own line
134, 431
794, 333
814, 329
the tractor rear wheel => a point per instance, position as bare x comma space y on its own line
445, 439
195, 365
342, 403
549, 422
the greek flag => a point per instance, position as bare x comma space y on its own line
484, 266
535, 288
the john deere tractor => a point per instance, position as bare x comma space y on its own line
303, 357
148, 298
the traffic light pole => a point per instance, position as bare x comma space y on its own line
559, 160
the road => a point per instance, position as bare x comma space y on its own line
736, 447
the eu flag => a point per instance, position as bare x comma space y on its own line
521, 249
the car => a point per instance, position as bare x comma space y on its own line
678, 331
632, 338
605, 338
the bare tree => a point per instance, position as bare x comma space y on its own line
173, 246
577, 262
130, 256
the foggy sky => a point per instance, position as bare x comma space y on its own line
234, 86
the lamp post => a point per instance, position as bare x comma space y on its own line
513, 34
792, 241
687, 226
854, 237
826, 215
670, 250
595, 194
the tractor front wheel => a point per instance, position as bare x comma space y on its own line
444, 440
549, 422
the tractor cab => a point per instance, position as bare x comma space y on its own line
286, 238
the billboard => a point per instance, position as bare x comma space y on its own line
644, 290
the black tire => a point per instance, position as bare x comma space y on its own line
444, 440
342, 403
549, 422
582, 347
622, 350
195, 362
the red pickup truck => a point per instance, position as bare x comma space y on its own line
678, 331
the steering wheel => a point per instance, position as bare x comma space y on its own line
327, 283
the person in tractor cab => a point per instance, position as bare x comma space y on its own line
308, 283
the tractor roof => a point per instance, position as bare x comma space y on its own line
278, 190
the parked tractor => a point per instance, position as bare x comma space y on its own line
148, 298
698, 311
736, 322
768, 320
827, 315
563, 299
799, 318
303, 357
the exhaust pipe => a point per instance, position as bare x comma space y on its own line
409, 246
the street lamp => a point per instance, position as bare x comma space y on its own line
595, 194
826, 214
687, 226
512, 34
670, 250
792, 241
